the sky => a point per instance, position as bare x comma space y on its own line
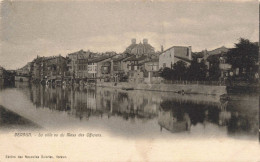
46, 28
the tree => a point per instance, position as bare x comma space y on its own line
244, 56
180, 70
197, 71
166, 73
214, 70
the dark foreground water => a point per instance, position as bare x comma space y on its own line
129, 113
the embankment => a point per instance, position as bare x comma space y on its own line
188, 88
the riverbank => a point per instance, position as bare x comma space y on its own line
10, 120
177, 88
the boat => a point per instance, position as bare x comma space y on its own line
128, 89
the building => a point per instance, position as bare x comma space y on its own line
2, 72
55, 67
152, 71
99, 69
174, 54
77, 63
135, 63
26, 70
140, 49
119, 67
135, 68
23, 74
221, 55
81, 69
152, 65
36, 67
48, 68
219, 50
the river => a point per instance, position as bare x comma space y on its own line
131, 113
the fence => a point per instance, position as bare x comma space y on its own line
219, 83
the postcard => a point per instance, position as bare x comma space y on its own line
121, 80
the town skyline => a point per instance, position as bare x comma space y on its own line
110, 26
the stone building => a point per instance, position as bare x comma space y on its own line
55, 67
100, 69
221, 55
37, 69
152, 71
135, 68
119, 67
77, 63
48, 68
172, 55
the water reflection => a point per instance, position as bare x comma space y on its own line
170, 112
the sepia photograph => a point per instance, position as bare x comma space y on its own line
121, 80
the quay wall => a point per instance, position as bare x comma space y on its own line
21, 79
187, 88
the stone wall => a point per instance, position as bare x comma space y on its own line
21, 79
188, 89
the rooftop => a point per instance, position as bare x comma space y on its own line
219, 50
100, 59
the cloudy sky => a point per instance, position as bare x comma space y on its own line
49, 28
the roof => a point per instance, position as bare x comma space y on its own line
121, 58
147, 48
182, 58
174, 47
219, 50
52, 57
134, 58
100, 59
153, 60
78, 52
130, 58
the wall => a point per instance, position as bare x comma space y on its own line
22, 79
166, 57
188, 89
184, 52
155, 80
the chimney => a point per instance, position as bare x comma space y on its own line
145, 41
161, 48
133, 41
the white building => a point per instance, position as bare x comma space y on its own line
172, 55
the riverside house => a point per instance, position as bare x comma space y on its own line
135, 66
152, 71
99, 69
55, 68
172, 55
220, 54
37, 69
49, 68
119, 66
77, 63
